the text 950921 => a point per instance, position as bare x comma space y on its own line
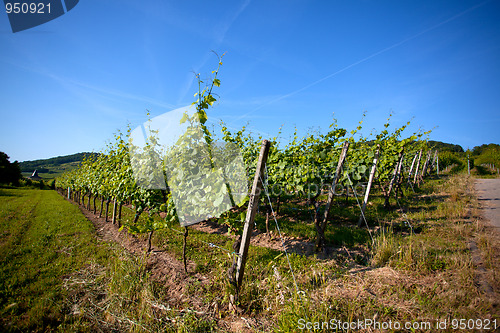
27, 8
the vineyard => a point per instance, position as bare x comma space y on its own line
227, 231
307, 175
317, 206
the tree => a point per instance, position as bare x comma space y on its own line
10, 173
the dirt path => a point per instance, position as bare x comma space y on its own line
488, 192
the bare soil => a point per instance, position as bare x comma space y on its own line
488, 192
272, 240
487, 264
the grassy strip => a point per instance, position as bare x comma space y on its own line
56, 275
43, 240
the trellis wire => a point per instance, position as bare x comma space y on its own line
265, 185
210, 244
404, 215
359, 206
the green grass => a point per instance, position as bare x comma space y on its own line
43, 240
482, 172
56, 274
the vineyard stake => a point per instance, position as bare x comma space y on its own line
434, 160
251, 211
468, 165
184, 258
369, 186
394, 178
418, 165
426, 164
411, 170
331, 195
113, 220
399, 177
437, 165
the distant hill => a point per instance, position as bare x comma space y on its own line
441, 146
53, 167
478, 150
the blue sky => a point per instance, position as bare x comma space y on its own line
66, 86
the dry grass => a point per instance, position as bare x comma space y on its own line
426, 276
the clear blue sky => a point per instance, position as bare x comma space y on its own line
67, 85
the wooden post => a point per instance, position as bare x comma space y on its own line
107, 208
102, 205
434, 159
399, 177
267, 224
184, 258
114, 211
397, 170
331, 194
411, 169
368, 187
426, 164
394, 178
468, 165
418, 165
437, 165
120, 214
251, 211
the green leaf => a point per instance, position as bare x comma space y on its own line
218, 201
202, 115
184, 118
210, 100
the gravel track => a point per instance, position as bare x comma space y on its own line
488, 192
